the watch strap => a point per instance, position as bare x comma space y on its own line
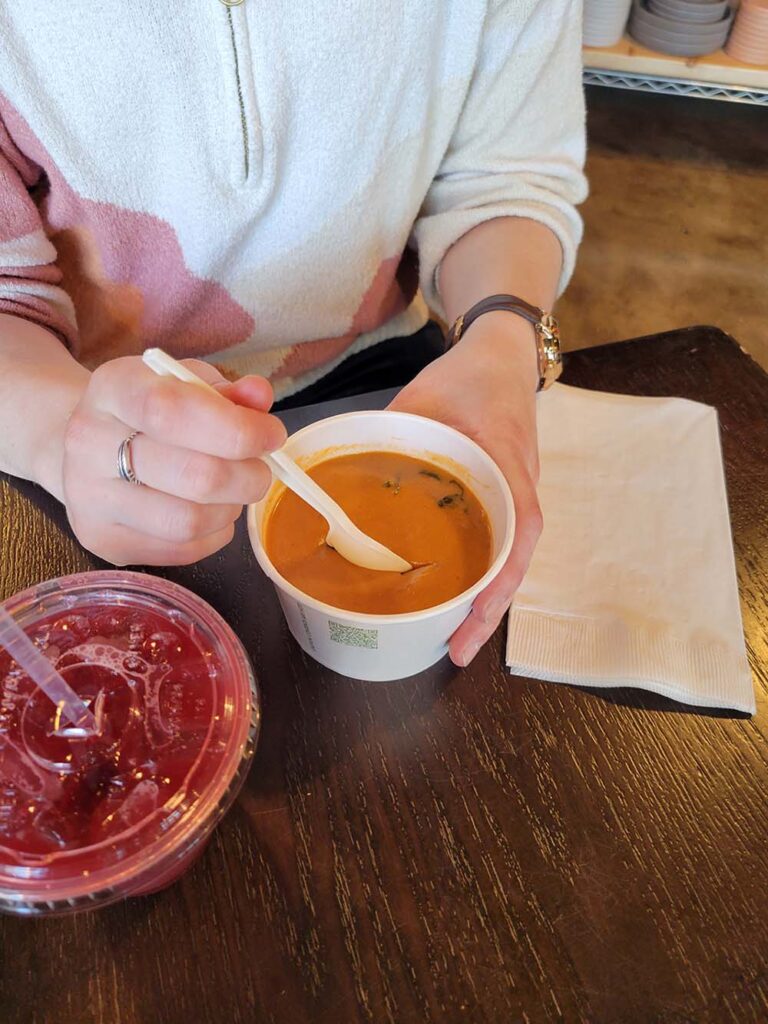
544, 324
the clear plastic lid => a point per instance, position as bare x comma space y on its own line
93, 819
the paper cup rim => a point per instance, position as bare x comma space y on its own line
369, 618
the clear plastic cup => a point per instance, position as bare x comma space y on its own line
386, 647
126, 814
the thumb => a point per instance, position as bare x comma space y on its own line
251, 391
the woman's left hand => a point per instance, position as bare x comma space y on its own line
486, 388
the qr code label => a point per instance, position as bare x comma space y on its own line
353, 636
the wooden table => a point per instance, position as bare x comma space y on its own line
464, 846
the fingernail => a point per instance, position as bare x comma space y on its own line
469, 652
496, 608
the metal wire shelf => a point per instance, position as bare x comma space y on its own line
675, 86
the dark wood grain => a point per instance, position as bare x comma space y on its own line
465, 846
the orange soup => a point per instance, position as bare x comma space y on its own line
418, 510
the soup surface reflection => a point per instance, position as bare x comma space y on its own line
417, 509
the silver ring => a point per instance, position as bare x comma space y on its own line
125, 468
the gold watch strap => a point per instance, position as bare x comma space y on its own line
544, 324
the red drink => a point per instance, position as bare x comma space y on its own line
87, 820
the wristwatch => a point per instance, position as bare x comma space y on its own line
544, 324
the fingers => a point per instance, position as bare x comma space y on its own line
164, 516
187, 474
251, 391
196, 452
121, 545
491, 605
178, 414
199, 477
139, 526
206, 372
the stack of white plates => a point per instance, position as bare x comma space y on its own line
604, 21
749, 39
685, 28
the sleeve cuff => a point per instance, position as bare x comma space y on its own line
435, 234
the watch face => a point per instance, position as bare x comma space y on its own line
550, 355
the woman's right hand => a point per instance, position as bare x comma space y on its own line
198, 456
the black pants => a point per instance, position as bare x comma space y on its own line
390, 364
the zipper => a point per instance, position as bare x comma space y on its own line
229, 4
244, 86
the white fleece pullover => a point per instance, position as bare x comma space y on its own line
264, 186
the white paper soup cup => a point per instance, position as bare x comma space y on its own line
384, 647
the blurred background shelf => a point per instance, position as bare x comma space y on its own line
628, 65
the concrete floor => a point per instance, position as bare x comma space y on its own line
676, 226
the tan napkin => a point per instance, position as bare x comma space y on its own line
633, 582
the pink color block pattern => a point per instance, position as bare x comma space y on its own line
126, 274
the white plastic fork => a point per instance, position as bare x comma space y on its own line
350, 542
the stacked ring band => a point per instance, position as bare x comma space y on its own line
125, 468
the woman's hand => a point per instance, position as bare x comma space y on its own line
197, 454
485, 387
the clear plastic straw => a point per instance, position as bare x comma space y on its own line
41, 671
